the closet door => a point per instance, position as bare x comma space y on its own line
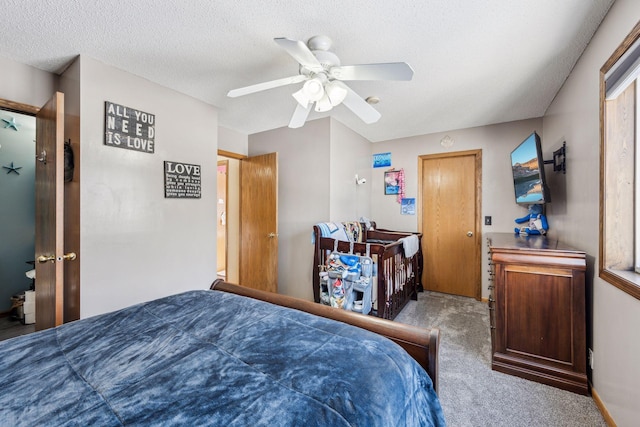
450, 222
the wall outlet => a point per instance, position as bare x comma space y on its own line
591, 359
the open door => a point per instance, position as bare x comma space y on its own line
49, 243
259, 222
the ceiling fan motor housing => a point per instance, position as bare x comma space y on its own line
319, 43
326, 59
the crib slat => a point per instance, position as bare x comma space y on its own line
398, 278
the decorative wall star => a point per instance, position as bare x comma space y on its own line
11, 123
12, 168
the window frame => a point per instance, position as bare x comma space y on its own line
626, 280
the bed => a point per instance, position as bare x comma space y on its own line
228, 356
397, 270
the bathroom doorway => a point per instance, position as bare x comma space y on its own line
17, 221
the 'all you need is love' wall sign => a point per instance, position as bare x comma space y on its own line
128, 128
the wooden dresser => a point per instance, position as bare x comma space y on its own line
537, 310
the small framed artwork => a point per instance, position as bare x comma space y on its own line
391, 182
382, 160
408, 207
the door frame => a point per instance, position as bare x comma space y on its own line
49, 214
478, 206
225, 211
233, 246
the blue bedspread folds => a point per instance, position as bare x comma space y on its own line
211, 358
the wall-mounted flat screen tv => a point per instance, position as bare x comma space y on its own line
527, 165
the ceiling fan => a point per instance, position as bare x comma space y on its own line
323, 78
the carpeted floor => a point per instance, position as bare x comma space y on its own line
471, 393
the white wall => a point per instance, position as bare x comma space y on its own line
137, 245
303, 197
574, 116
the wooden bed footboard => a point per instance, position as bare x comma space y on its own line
421, 344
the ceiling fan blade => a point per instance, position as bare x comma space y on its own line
300, 53
385, 71
360, 107
266, 85
300, 116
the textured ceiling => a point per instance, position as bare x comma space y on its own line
475, 62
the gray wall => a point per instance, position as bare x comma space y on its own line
137, 245
17, 205
316, 183
303, 197
26, 85
350, 155
232, 141
574, 116
496, 143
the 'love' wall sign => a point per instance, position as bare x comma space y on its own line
128, 128
181, 180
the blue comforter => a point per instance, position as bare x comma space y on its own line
211, 358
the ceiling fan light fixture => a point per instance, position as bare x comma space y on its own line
313, 89
323, 104
336, 91
302, 98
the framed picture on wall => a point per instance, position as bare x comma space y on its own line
408, 206
391, 182
382, 160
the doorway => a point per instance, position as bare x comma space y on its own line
251, 220
450, 195
221, 219
228, 191
56, 211
17, 222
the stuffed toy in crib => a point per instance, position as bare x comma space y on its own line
536, 222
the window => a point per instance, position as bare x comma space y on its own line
620, 166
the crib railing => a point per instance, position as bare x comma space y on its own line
396, 278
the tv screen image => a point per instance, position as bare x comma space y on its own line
528, 172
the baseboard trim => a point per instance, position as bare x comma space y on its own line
603, 409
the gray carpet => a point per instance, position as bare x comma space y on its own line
471, 393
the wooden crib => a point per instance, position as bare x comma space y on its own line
398, 278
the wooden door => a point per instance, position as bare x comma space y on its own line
450, 222
259, 222
49, 242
